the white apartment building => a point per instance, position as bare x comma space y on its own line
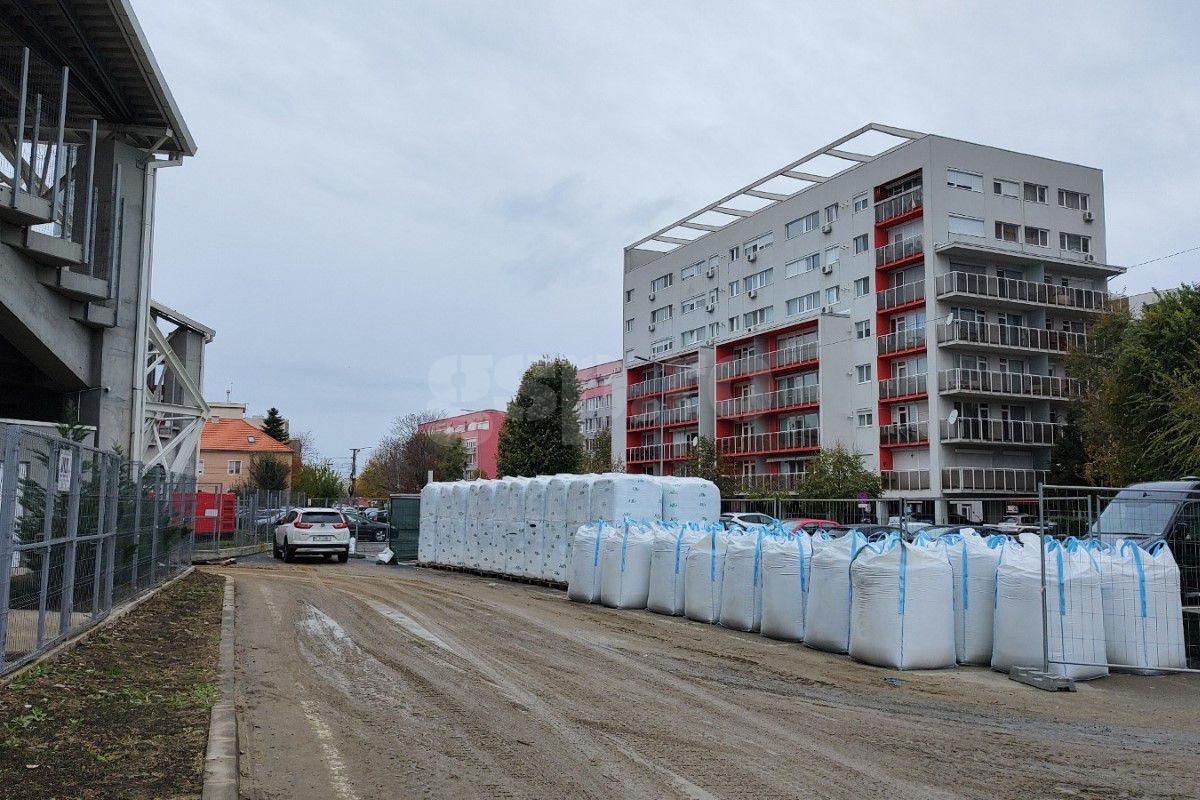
908, 296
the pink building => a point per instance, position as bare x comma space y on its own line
480, 431
595, 398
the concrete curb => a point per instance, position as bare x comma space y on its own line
221, 757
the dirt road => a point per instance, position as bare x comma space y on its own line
360, 681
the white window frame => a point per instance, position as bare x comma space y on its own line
862, 286
758, 280
982, 225
970, 186
233, 466
735, 288
691, 270
832, 295
1041, 194
662, 346
862, 243
836, 250
804, 304
802, 225
629, 324
657, 315
831, 213
691, 304
1001, 225
1085, 242
1084, 199
1043, 236
866, 418
863, 373
998, 185
696, 334
861, 202
862, 329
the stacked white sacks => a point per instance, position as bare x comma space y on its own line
616, 496
486, 524
690, 500
534, 530
427, 540
741, 585
625, 554
828, 618
1143, 611
786, 575
973, 561
672, 543
902, 607
1074, 615
554, 537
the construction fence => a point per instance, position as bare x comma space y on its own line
82, 531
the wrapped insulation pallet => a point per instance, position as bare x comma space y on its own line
427, 531
554, 536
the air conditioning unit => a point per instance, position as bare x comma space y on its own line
710, 273
1089, 216
652, 297
709, 342
827, 228
711, 307
751, 255
749, 329
827, 269
651, 327
753, 293
1089, 257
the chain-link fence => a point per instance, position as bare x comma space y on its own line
81, 531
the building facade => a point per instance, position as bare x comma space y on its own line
480, 432
227, 445
596, 398
909, 297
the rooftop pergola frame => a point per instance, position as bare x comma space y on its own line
784, 183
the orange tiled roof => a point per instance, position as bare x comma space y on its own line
234, 434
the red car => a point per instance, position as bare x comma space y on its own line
809, 525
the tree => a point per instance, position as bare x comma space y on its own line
540, 434
1139, 418
319, 481
401, 462
1069, 458
704, 461
837, 473
269, 473
597, 454
275, 426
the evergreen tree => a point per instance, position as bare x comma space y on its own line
704, 461
269, 473
274, 426
540, 434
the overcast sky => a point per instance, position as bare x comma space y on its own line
395, 205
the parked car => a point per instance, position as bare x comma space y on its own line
312, 531
1024, 523
366, 530
942, 530
746, 520
911, 524
866, 530
808, 524
376, 514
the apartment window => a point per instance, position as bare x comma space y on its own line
802, 265
865, 418
691, 270
714, 330
661, 314
629, 357
757, 280
802, 225
691, 337
1075, 200
861, 202
1035, 193
1038, 237
862, 329
1006, 188
804, 304
712, 296
735, 324
864, 373
1074, 243
760, 243
663, 282
735, 288
957, 179
714, 263
1008, 231
965, 226
831, 255
831, 213
629, 295
735, 253
862, 287
691, 304
629, 325
234, 467
759, 316
662, 346
831, 295
860, 243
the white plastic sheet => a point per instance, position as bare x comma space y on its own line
625, 554
704, 573
827, 625
672, 543
787, 575
741, 586
1143, 612
690, 500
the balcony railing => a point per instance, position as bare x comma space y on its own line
898, 205
776, 442
898, 251
669, 383
991, 479
671, 451
770, 401
1001, 431
680, 414
900, 295
904, 480
1009, 336
776, 359
780, 482
902, 433
900, 341
905, 386
1018, 291
649, 419
973, 381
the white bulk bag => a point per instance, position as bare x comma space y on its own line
625, 553
1143, 612
690, 500
616, 496
488, 526
902, 610
741, 586
579, 506
471, 547
554, 537
427, 530
534, 531
973, 561
786, 576
827, 619
584, 583
1074, 609
704, 571
672, 543
515, 535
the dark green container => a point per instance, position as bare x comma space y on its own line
405, 520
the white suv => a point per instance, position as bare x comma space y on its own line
316, 531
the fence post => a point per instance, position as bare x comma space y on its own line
103, 561
135, 476
1042, 558
66, 608
109, 522
8, 515
49, 501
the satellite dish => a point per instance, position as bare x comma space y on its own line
953, 418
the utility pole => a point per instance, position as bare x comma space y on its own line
354, 451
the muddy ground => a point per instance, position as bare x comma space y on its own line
362, 681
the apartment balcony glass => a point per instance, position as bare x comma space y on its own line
1001, 431
899, 341
1009, 290
776, 359
679, 414
1009, 384
906, 386
904, 480
671, 451
897, 205
780, 482
900, 295
776, 442
669, 383
991, 479
898, 251
1010, 337
649, 419
904, 433
770, 401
